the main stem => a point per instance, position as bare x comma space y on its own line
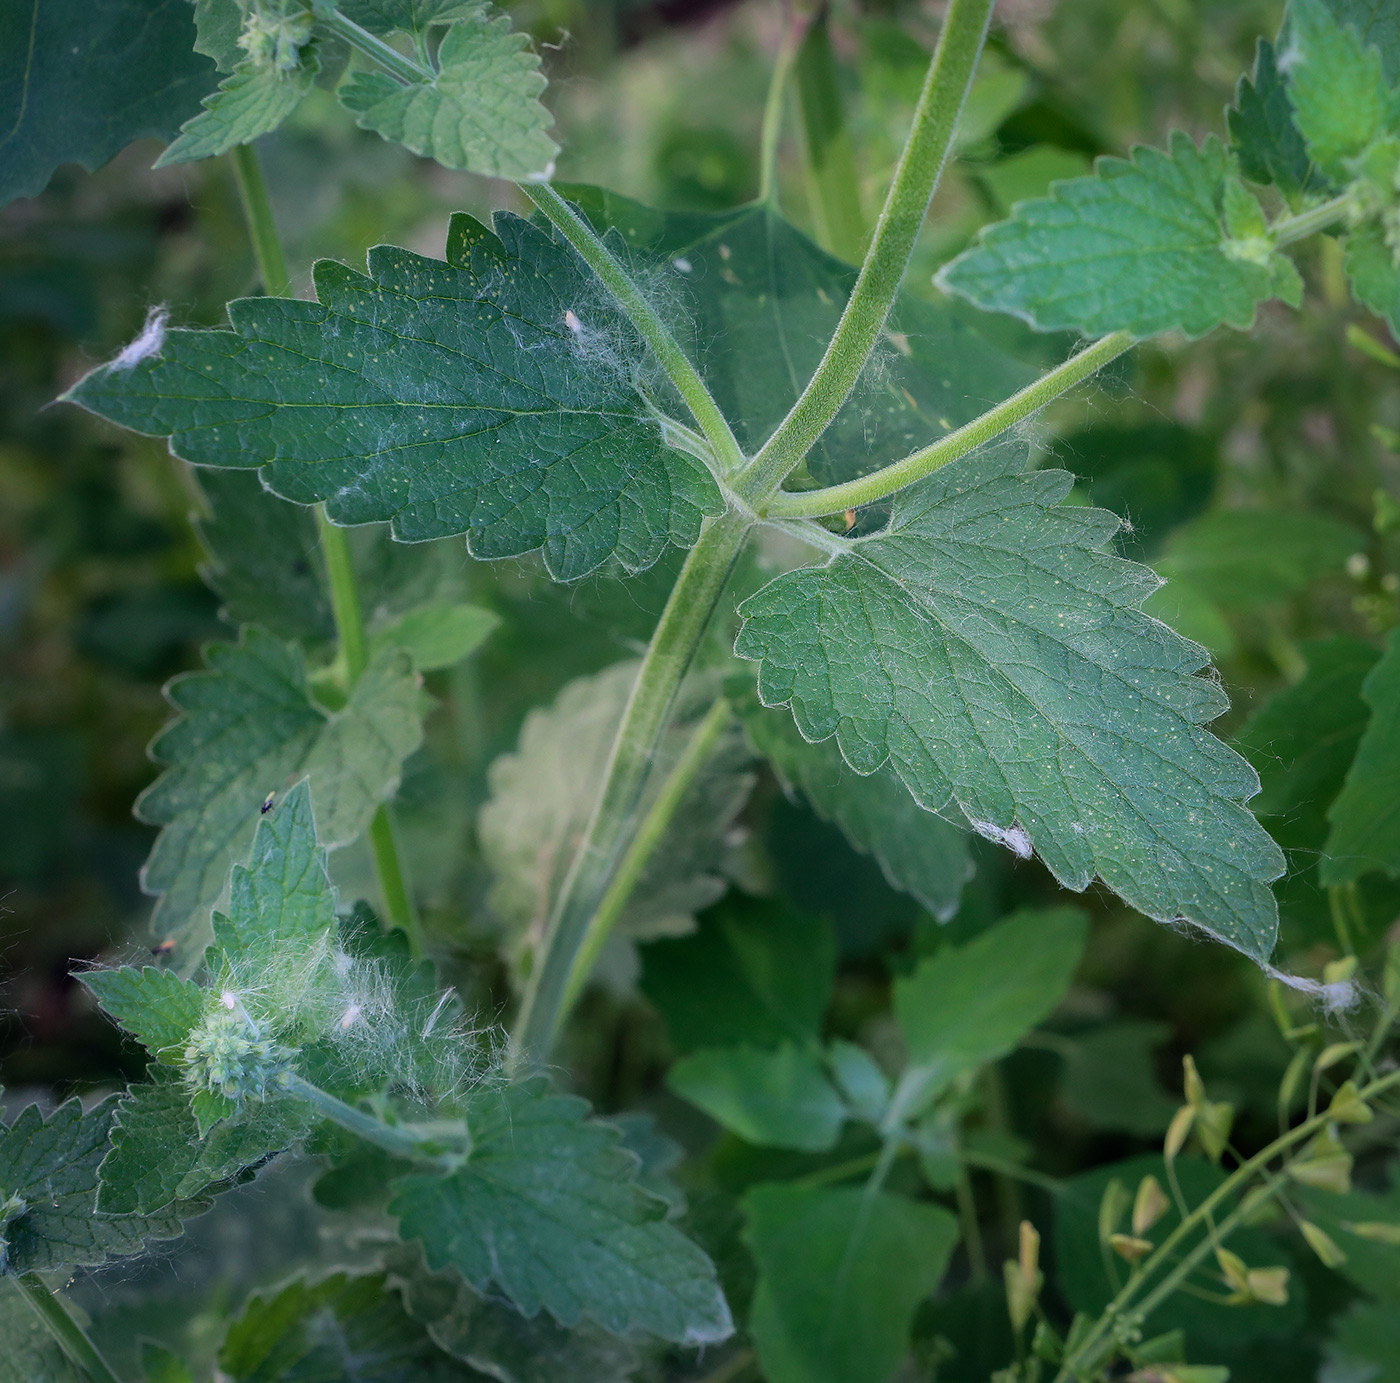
901, 219
335, 549
70, 1336
678, 633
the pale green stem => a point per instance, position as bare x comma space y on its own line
1090, 1349
901, 219
389, 58
772, 134
71, 1337
678, 633
682, 374
335, 549
396, 1141
654, 826
1287, 230
838, 499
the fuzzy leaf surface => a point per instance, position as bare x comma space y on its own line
158, 1007
79, 81
829, 1308
1266, 141
1138, 247
1366, 814
252, 101
443, 398
249, 727
547, 1208
481, 111
1374, 274
919, 852
51, 1164
991, 651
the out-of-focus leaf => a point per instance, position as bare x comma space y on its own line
1365, 816
31, 1354
1266, 140
1110, 1078
780, 1099
438, 636
1374, 275
1367, 1339
1031, 173
79, 81
755, 972
547, 1208
1366, 1227
414, 17
840, 1274
1377, 23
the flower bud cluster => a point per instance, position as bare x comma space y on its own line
229, 1055
275, 41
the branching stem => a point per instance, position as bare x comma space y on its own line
70, 1336
837, 499
373, 47
335, 550
901, 219
394, 1140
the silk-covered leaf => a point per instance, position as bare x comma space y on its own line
31, 1354
543, 793
967, 1005
755, 972
48, 1172
252, 101
1365, 816
1374, 274
1266, 141
443, 398
547, 1210
157, 1156
840, 1276
1342, 98
438, 636
248, 727
158, 1007
990, 649
918, 851
79, 81
1142, 246
755, 301
780, 1099
481, 111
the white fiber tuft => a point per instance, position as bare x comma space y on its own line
1015, 837
148, 343
1337, 997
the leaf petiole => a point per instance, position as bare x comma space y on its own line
404, 1142
387, 56
68, 1334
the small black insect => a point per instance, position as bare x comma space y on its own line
267, 804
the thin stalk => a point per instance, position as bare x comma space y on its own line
682, 374
389, 58
397, 1142
838, 499
1287, 230
335, 549
70, 1336
654, 825
673, 644
901, 219
772, 134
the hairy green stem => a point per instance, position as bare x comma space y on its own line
772, 134
653, 827
388, 57
396, 1141
837, 499
868, 308
682, 374
673, 644
1092, 1347
1287, 230
335, 550
70, 1336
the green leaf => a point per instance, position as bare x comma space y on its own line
1367, 1337
1342, 98
1359, 1223
918, 851
253, 101
79, 81
480, 112
218, 24
158, 1007
1266, 140
1365, 816
438, 636
756, 302
777, 1099
547, 1209
1374, 274
756, 972
48, 1194
343, 1327
1377, 22
497, 1340
989, 649
542, 795
840, 1275
31, 1354
248, 726
161, 1366
157, 1156
444, 398
1110, 1078
413, 17
1138, 247
969, 1005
